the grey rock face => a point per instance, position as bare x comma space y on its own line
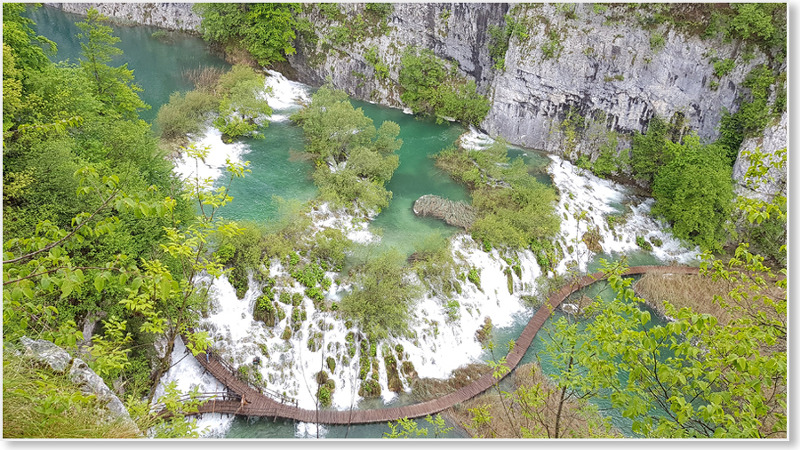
774, 183
170, 16
456, 32
91, 383
47, 352
79, 372
606, 71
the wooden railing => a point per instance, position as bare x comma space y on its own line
255, 401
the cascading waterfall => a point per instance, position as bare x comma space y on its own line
213, 165
283, 95
445, 338
583, 192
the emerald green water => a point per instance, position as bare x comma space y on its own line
158, 67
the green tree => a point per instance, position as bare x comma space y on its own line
692, 377
113, 84
430, 87
242, 103
266, 30
694, 192
383, 296
354, 160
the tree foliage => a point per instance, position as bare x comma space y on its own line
514, 209
114, 85
266, 30
96, 227
382, 299
354, 159
431, 87
692, 377
694, 192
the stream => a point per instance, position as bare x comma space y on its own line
442, 343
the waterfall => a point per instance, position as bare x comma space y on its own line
283, 95
213, 165
599, 199
187, 374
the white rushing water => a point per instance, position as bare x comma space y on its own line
588, 201
283, 95
445, 329
213, 165
188, 374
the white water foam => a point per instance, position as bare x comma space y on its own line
283, 95
475, 140
355, 228
188, 374
583, 192
214, 164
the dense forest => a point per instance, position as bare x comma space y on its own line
109, 254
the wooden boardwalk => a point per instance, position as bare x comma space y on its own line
254, 403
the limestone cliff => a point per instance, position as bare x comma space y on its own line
456, 32
170, 16
577, 78
769, 144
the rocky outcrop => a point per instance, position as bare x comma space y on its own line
457, 214
170, 16
455, 32
774, 181
91, 383
47, 352
79, 372
575, 74
607, 71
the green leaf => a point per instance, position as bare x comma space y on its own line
99, 282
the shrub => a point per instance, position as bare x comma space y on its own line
694, 192
513, 208
185, 114
474, 277
724, 67
324, 396
429, 87
753, 114
657, 42
452, 308
381, 301
379, 10
644, 244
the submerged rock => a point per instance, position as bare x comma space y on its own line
457, 214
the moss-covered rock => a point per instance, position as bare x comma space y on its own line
409, 371
369, 389
485, 332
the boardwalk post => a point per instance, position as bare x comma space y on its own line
268, 403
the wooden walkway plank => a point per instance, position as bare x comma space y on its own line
266, 406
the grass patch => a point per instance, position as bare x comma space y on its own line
41, 404
693, 291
